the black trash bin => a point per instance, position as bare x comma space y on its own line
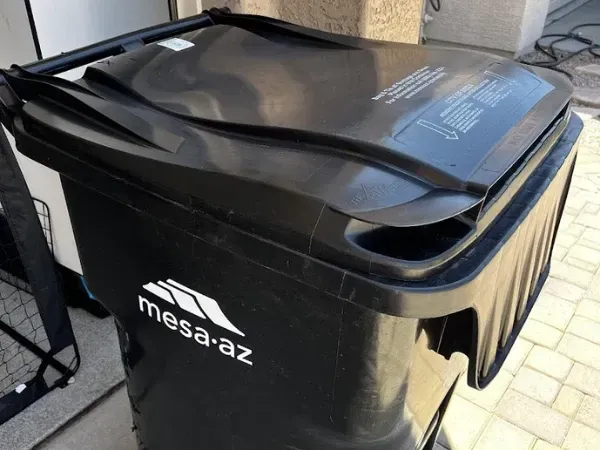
298, 232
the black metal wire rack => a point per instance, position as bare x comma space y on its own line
12, 270
18, 308
25, 350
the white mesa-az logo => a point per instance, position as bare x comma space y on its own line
199, 305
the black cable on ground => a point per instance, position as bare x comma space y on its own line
555, 59
436, 5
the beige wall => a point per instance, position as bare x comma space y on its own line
394, 20
509, 25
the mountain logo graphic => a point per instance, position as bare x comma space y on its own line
193, 302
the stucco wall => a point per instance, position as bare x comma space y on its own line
532, 24
392, 20
186, 8
510, 25
396, 20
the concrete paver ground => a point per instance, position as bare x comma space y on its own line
547, 395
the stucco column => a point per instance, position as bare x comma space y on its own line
508, 25
392, 20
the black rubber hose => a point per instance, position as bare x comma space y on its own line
550, 50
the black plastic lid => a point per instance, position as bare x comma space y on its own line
329, 148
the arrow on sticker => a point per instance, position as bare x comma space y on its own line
495, 75
441, 130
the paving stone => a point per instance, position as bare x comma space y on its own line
499, 434
584, 379
489, 397
534, 417
574, 191
581, 437
567, 272
584, 183
573, 211
580, 350
583, 257
549, 362
588, 197
589, 413
590, 238
563, 289
576, 229
574, 201
587, 158
587, 97
542, 445
536, 385
588, 166
553, 311
590, 208
517, 355
541, 334
593, 292
588, 220
590, 309
595, 181
559, 252
591, 175
463, 424
591, 235
589, 69
566, 220
566, 240
568, 401
591, 268
585, 328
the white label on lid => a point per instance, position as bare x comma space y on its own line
176, 44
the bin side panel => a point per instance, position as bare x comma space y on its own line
524, 259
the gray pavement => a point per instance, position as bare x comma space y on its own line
547, 395
105, 427
101, 370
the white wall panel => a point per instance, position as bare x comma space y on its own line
63, 25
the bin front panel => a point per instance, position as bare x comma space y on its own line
219, 349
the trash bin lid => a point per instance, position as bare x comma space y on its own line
305, 142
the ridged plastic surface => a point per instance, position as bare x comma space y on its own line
512, 280
498, 278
